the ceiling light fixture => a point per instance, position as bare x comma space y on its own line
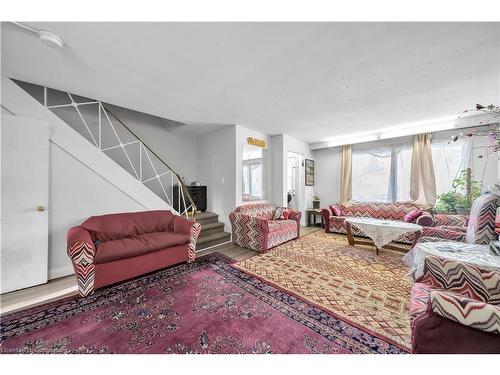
45, 36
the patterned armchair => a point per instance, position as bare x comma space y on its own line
253, 227
455, 308
477, 228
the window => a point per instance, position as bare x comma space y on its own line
447, 160
381, 175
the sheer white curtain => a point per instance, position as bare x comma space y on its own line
449, 158
381, 174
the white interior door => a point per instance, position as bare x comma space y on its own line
24, 201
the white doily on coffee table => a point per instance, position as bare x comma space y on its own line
382, 231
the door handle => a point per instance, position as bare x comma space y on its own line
40, 208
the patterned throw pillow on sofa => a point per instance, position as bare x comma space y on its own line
412, 215
337, 211
281, 213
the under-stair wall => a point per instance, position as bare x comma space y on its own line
83, 180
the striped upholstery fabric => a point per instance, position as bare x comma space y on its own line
387, 211
82, 256
467, 279
461, 292
450, 220
441, 233
260, 210
466, 311
481, 228
253, 227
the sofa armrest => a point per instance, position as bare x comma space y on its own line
464, 278
466, 311
296, 215
450, 220
326, 214
249, 231
193, 229
81, 250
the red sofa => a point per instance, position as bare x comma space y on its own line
110, 248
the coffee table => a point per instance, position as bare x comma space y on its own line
381, 232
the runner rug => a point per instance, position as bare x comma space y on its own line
351, 282
204, 307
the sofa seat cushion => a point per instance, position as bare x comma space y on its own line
109, 251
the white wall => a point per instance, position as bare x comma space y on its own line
327, 163
278, 170
77, 192
217, 170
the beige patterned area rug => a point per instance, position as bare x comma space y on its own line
351, 282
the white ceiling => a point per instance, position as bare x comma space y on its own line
312, 81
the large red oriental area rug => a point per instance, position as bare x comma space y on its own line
351, 282
204, 307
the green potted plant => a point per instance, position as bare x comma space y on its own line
459, 199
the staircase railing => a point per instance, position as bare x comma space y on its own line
144, 158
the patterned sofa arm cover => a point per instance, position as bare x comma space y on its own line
249, 231
441, 234
451, 220
81, 251
466, 311
467, 279
183, 225
296, 215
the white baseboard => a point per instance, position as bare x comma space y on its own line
57, 272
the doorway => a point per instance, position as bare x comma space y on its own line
293, 180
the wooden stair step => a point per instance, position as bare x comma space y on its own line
207, 217
211, 228
212, 240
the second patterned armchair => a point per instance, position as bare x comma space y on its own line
254, 226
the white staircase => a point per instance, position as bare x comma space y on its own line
90, 132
